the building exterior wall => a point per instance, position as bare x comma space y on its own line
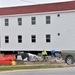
61, 29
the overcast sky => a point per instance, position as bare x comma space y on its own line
9, 3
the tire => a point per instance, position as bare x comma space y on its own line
69, 60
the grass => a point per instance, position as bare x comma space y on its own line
23, 67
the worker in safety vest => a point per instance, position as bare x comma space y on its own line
44, 54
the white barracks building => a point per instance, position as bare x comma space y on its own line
37, 27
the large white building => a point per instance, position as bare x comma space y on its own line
37, 27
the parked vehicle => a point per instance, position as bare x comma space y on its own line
68, 56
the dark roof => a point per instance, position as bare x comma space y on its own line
61, 6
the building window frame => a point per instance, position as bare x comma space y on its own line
48, 38
6, 39
33, 20
48, 18
19, 21
33, 38
19, 38
6, 22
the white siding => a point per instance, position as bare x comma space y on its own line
65, 25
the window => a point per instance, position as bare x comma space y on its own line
47, 19
58, 34
19, 21
6, 22
48, 38
33, 20
19, 39
58, 15
33, 37
6, 39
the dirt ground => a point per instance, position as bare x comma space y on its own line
51, 62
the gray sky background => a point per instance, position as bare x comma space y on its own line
10, 3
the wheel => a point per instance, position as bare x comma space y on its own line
69, 60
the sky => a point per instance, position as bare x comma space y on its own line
11, 3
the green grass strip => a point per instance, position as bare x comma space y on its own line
22, 67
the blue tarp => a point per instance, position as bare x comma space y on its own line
53, 51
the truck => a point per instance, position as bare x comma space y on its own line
68, 56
